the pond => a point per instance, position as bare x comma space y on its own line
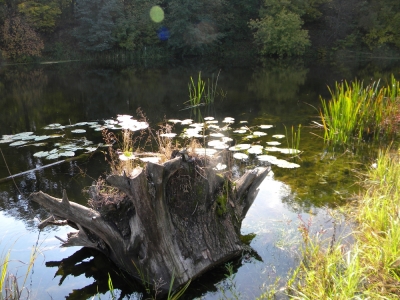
279, 93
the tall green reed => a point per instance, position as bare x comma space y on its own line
356, 113
294, 142
196, 91
202, 93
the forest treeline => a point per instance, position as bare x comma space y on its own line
53, 28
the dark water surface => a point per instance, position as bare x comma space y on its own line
283, 94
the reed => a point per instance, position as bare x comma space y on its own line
370, 269
196, 91
10, 286
201, 93
294, 143
356, 113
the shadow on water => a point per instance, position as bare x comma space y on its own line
280, 93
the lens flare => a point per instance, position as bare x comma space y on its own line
156, 14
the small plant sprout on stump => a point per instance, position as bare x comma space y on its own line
171, 221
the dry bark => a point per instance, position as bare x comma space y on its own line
171, 220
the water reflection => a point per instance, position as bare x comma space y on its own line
273, 93
93, 264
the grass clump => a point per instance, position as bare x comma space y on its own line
357, 113
370, 269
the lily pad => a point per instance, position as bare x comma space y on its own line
241, 147
270, 158
78, 131
152, 159
226, 139
4, 141
54, 126
272, 149
205, 151
259, 133
265, 126
240, 155
42, 137
19, 143
240, 131
254, 150
90, 149
228, 120
53, 156
208, 118
273, 143
67, 153
199, 125
174, 121
126, 157
220, 167
217, 134
41, 154
187, 122
285, 164
278, 136
168, 135
290, 151
221, 146
80, 124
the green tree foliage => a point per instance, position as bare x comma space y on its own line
381, 22
40, 15
281, 34
135, 29
97, 23
195, 26
279, 31
19, 39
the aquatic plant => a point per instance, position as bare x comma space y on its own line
370, 267
294, 143
9, 286
198, 91
356, 113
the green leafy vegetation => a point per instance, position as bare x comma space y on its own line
356, 113
369, 268
31, 28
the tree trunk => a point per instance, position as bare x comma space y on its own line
169, 221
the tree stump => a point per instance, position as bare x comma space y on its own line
170, 221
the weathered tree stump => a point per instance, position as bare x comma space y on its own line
176, 220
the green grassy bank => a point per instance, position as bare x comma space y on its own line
371, 268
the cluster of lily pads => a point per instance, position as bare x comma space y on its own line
68, 146
220, 137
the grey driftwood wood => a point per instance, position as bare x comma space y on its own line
176, 219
